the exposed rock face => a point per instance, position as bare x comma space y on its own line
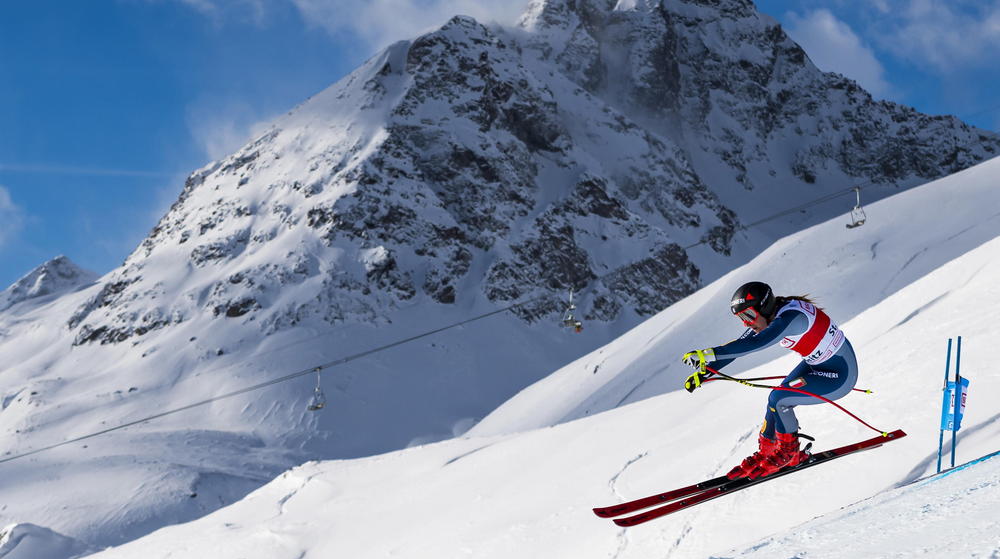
731, 82
585, 150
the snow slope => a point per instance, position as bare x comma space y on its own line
953, 514
27, 541
529, 494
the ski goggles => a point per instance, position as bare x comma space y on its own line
747, 315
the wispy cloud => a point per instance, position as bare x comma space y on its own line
380, 22
219, 130
948, 36
11, 217
219, 11
834, 47
70, 170
376, 23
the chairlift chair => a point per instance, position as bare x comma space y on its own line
570, 321
318, 401
858, 216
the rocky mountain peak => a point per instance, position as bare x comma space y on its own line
57, 276
479, 166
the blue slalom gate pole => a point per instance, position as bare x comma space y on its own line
947, 364
958, 395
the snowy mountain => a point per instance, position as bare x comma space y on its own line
616, 149
475, 167
472, 165
529, 494
56, 277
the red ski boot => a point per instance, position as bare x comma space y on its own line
765, 447
785, 453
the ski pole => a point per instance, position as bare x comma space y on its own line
864, 390
789, 389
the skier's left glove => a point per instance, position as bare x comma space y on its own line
695, 380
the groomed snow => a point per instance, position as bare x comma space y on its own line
529, 493
953, 514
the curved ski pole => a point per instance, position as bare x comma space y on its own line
724, 376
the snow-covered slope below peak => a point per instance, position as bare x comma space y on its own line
27, 541
530, 494
55, 277
845, 270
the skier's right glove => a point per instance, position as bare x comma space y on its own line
699, 358
695, 380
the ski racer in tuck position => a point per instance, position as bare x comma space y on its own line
828, 368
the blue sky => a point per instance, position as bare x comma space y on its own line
105, 106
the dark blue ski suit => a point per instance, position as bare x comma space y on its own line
829, 367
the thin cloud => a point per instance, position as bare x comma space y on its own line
69, 170
947, 36
221, 130
11, 217
381, 22
220, 11
376, 23
834, 47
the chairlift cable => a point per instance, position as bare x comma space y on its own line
379, 349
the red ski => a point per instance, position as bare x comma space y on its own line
646, 502
690, 496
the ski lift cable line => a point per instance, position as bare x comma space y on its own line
798, 208
255, 387
347, 359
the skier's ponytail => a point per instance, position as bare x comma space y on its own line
780, 302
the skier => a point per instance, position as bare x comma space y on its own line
828, 368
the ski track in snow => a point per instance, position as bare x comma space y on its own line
922, 309
623, 536
625, 398
934, 246
463, 455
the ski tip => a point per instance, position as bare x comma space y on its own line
609, 512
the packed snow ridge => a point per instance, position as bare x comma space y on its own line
27, 541
953, 514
